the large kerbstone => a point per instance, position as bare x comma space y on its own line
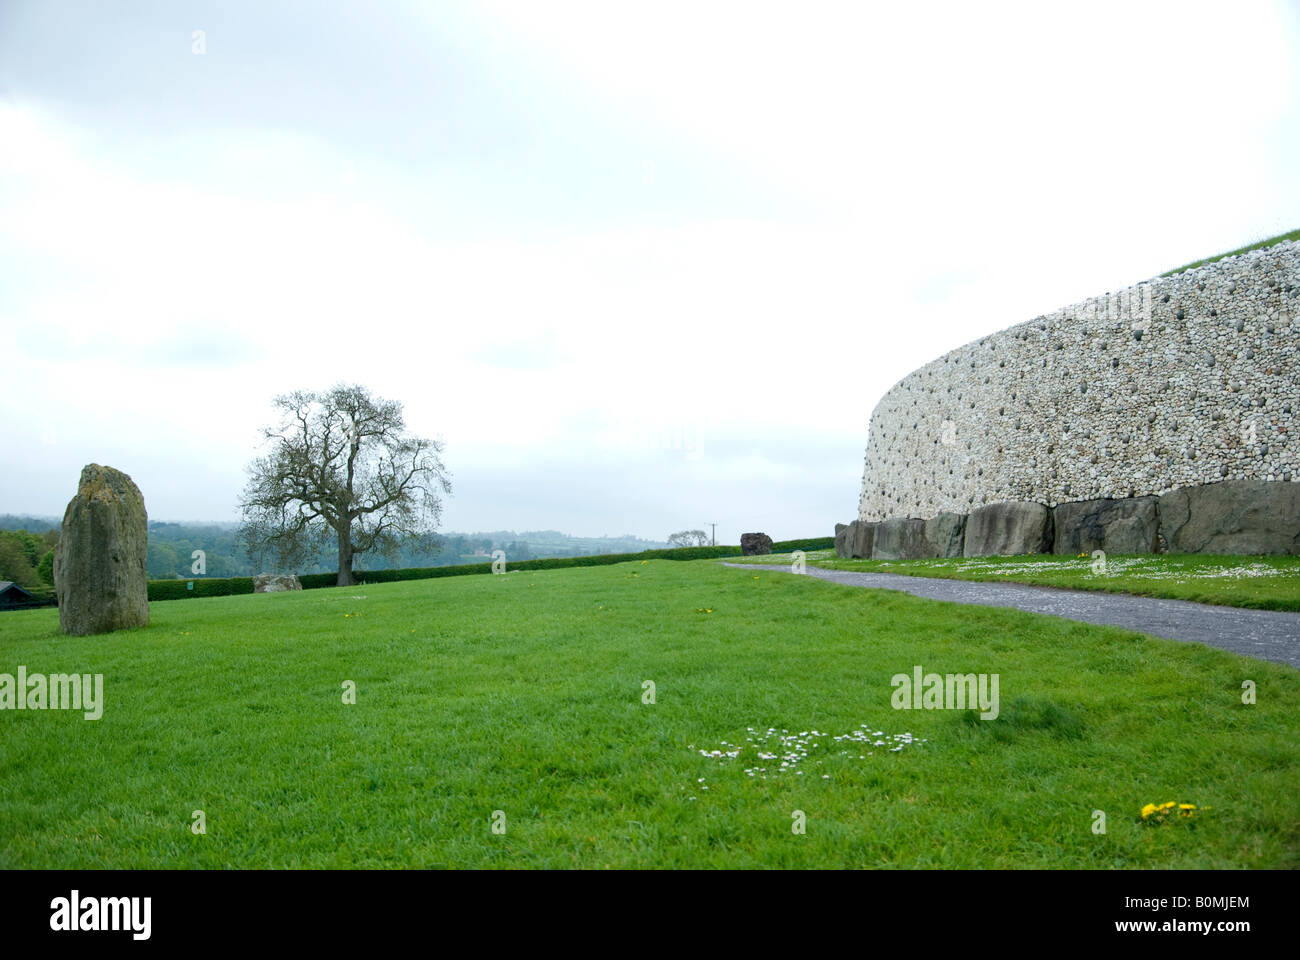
1008, 528
900, 539
863, 540
1115, 526
911, 539
946, 534
99, 563
755, 544
843, 534
1235, 516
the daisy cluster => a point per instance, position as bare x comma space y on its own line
781, 751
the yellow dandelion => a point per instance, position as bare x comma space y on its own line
1149, 809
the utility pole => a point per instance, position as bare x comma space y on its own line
714, 525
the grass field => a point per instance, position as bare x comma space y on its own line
1263, 583
523, 694
1257, 245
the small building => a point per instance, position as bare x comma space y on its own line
12, 595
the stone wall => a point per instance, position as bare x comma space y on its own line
1231, 516
1174, 383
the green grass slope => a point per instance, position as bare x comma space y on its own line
1257, 245
523, 694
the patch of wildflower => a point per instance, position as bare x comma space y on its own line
1161, 812
780, 751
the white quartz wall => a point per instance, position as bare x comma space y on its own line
1182, 380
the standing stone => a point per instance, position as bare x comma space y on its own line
754, 544
99, 563
1004, 529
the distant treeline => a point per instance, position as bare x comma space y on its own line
27, 558
24, 542
212, 587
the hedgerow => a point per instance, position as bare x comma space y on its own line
218, 587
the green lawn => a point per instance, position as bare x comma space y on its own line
1265, 583
1257, 245
523, 693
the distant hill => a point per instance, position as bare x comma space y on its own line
172, 546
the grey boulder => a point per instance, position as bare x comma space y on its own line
1129, 525
1003, 529
1233, 516
863, 542
900, 539
275, 583
843, 533
755, 544
945, 534
912, 539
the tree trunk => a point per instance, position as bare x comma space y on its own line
345, 557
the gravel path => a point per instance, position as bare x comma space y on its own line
1266, 634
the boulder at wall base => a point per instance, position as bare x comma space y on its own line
275, 583
755, 544
1129, 525
863, 541
843, 533
99, 562
912, 539
946, 534
1233, 516
900, 539
1005, 529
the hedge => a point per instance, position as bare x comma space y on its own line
815, 543
199, 587
216, 587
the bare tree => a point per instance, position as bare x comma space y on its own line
689, 538
342, 465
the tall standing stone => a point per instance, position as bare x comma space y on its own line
99, 563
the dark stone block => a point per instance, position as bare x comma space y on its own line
946, 534
900, 539
843, 539
864, 540
1129, 525
1005, 529
1234, 516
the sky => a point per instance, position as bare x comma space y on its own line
642, 267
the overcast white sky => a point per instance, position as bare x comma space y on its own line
641, 265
